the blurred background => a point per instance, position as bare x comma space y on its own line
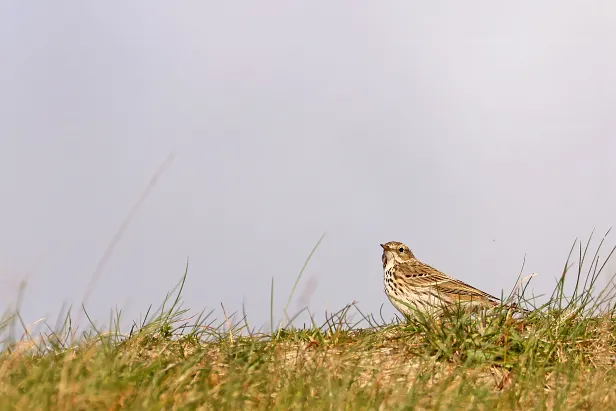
480, 134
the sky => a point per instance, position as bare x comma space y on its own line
479, 133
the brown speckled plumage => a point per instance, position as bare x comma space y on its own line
409, 281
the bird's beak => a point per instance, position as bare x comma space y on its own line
383, 246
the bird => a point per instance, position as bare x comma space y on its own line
412, 285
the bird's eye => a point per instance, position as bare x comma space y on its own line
401, 249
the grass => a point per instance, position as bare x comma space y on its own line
560, 356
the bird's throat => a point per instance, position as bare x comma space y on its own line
388, 261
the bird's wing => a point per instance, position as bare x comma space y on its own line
417, 274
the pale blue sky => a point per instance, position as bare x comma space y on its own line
477, 133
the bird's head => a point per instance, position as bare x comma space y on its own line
395, 252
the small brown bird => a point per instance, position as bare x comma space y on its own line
412, 285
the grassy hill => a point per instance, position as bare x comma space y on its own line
560, 356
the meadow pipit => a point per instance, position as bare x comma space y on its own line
412, 285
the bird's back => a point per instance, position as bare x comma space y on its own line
416, 284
